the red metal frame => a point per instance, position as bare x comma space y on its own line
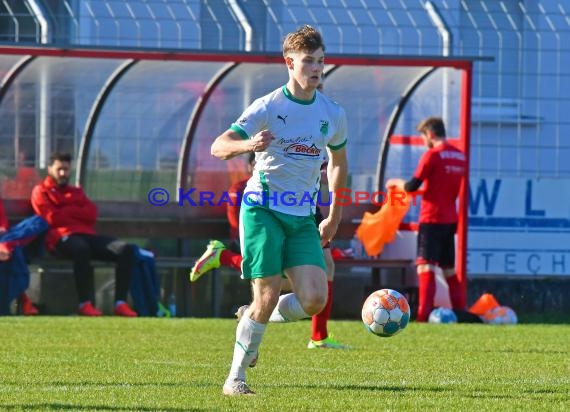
177, 55
465, 141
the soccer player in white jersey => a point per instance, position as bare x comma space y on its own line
289, 130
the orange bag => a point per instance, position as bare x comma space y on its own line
377, 229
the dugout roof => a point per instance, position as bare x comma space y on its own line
135, 119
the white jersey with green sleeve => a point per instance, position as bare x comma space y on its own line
287, 174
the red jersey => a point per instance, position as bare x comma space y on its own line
66, 208
235, 193
442, 170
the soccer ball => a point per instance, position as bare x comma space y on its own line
442, 315
501, 315
385, 312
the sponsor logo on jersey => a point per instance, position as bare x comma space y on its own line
452, 154
293, 140
283, 118
302, 150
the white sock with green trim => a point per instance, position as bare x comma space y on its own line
248, 339
288, 309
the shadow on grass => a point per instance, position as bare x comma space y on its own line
100, 384
539, 394
374, 388
74, 407
526, 351
473, 393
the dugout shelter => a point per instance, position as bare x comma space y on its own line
137, 120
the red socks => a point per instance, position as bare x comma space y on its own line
319, 322
231, 259
427, 294
454, 291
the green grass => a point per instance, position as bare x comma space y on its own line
110, 364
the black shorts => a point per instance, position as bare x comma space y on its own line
436, 244
318, 219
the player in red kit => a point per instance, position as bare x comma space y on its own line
441, 170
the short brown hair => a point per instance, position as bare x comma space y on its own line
432, 124
60, 156
306, 39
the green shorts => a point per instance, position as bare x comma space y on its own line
272, 241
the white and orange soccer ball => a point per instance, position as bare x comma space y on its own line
385, 313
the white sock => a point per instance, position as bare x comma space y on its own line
248, 338
288, 309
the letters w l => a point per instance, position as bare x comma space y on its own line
482, 193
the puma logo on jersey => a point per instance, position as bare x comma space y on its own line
283, 119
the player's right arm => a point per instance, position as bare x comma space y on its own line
231, 143
247, 134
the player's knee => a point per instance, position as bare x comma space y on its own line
314, 304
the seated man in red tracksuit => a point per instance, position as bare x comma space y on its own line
71, 216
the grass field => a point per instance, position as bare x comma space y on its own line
112, 364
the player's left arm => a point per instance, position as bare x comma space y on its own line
337, 171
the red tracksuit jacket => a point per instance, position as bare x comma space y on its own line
66, 208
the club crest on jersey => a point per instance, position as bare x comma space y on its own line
324, 127
302, 150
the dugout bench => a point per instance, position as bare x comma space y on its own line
126, 220
216, 294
